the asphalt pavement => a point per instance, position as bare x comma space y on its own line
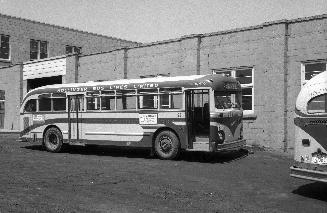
103, 179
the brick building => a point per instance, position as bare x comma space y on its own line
272, 61
24, 40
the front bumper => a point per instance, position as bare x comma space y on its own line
309, 174
231, 146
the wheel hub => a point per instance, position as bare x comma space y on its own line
53, 139
165, 144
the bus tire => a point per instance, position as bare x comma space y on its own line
167, 145
52, 140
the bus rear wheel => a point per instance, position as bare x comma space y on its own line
53, 140
167, 145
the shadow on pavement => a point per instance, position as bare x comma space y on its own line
206, 157
188, 156
316, 190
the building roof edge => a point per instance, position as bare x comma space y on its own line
65, 28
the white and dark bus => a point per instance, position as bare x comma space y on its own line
166, 114
310, 148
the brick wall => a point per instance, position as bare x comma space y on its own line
105, 66
21, 31
307, 41
275, 57
263, 49
177, 57
9, 82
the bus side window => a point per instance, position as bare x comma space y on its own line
30, 106
59, 101
317, 104
44, 102
148, 99
108, 100
171, 98
93, 101
76, 102
126, 100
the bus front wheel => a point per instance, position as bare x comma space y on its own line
53, 140
167, 145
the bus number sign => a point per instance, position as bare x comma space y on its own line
38, 119
145, 119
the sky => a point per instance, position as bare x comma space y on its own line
156, 20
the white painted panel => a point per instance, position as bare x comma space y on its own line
44, 69
113, 132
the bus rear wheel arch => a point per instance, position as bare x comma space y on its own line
52, 139
167, 145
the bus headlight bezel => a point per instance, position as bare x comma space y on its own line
220, 137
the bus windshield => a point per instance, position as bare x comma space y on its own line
227, 100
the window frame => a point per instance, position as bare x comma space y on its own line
96, 96
233, 72
318, 112
103, 95
38, 102
9, 48
125, 93
141, 93
73, 49
36, 105
53, 97
2, 100
171, 92
38, 55
304, 63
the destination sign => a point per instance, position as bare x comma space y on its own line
109, 87
232, 85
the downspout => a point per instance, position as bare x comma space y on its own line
198, 56
125, 62
76, 68
286, 36
21, 83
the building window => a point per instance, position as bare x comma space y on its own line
2, 108
245, 76
38, 49
310, 69
73, 49
4, 47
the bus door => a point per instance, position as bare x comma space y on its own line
197, 117
75, 109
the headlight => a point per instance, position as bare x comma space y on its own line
220, 137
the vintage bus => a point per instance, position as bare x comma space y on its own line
166, 114
310, 120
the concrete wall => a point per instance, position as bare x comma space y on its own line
10, 83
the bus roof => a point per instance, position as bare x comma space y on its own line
314, 87
214, 81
